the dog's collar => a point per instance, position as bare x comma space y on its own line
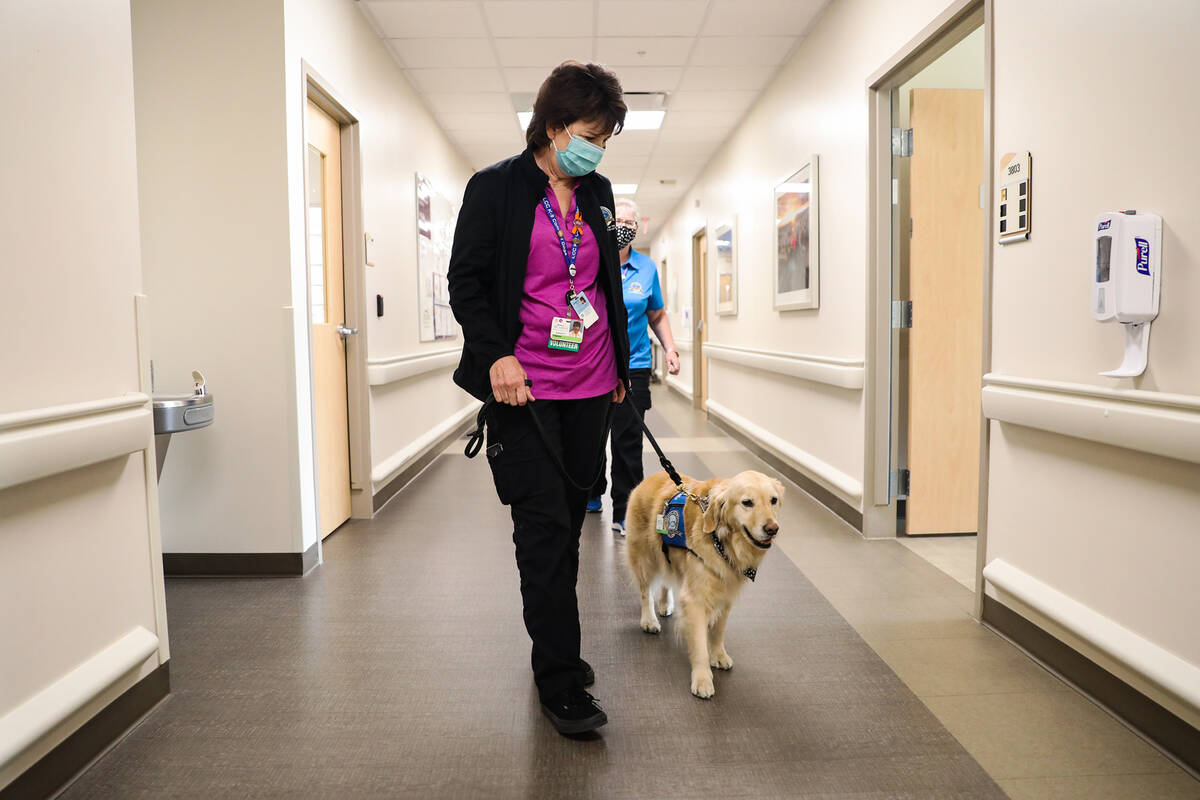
748, 572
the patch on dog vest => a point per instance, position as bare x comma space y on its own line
670, 523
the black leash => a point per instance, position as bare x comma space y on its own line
476, 441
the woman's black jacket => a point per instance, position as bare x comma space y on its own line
490, 253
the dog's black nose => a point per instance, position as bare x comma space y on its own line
771, 528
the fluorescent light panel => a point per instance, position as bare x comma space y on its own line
625, 188
634, 120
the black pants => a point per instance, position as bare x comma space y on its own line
547, 515
627, 469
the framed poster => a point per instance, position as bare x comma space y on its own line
797, 244
723, 261
435, 233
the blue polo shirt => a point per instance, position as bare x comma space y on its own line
639, 281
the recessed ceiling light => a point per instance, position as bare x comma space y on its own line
644, 120
634, 120
625, 188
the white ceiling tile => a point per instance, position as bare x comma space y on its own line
651, 17
470, 102
710, 101
674, 136
498, 122
712, 120
427, 18
456, 79
721, 79
443, 52
622, 174
769, 17
633, 142
525, 79
539, 17
546, 54
741, 51
657, 51
649, 79
624, 160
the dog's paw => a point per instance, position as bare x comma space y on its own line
663, 607
702, 685
721, 660
651, 625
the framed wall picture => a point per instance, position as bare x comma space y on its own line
435, 233
723, 260
797, 244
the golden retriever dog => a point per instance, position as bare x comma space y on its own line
726, 543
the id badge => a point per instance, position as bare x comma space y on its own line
584, 309
566, 334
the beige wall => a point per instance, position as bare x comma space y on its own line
221, 151
79, 557
212, 173
398, 138
1108, 113
816, 105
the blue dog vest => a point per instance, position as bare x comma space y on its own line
670, 525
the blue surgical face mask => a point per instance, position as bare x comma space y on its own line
580, 157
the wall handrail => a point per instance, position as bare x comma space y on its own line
1150, 422
845, 373
381, 371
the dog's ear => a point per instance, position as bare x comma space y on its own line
778, 488
716, 508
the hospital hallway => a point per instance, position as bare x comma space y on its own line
401, 669
930, 266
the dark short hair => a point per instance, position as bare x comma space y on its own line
575, 91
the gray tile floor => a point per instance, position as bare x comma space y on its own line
399, 668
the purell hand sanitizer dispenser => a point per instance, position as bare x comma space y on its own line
1127, 283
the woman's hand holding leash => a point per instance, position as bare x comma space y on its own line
510, 384
619, 393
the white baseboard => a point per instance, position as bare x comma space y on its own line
679, 386
844, 486
390, 467
49, 708
1164, 671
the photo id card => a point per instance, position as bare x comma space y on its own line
566, 334
584, 309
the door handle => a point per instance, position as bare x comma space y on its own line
343, 331
699, 326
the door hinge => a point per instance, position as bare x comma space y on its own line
900, 480
902, 314
902, 142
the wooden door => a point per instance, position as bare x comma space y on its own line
700, 321
324, 209
946, 287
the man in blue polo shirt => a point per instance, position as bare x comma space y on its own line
644, 302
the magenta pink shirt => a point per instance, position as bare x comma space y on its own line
560, 374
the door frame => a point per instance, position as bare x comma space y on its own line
699, 317
358, 418
950, 27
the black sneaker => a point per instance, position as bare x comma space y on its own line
589, 675
574, 711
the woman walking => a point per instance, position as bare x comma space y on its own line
535, 283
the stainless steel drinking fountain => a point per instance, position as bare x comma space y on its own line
176, 413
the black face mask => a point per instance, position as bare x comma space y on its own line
625, 235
